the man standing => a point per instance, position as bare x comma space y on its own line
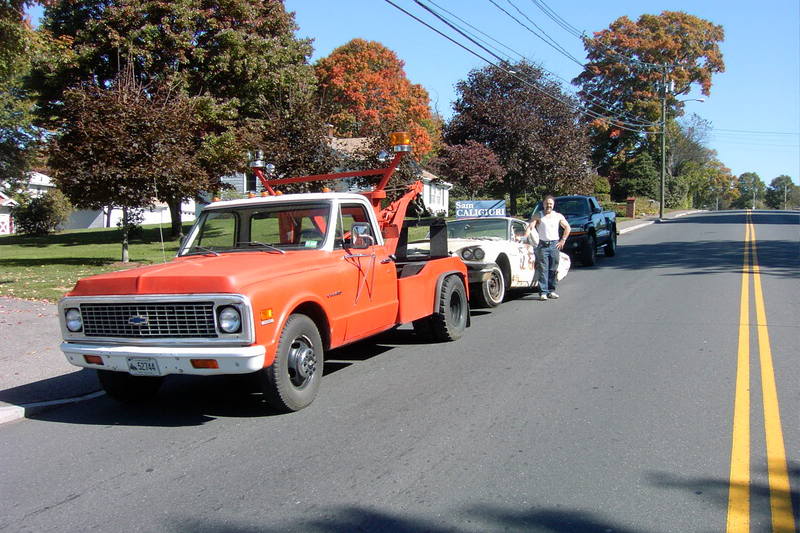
547, 223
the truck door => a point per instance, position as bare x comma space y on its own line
601, 226
368, 277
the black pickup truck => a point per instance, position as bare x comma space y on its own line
591, 227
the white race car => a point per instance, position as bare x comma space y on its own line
498, 256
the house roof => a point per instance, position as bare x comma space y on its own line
349, 145
6, 201
37, 178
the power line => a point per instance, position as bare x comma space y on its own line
592, 97
599, 102
615, 120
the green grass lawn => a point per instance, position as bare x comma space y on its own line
46, 267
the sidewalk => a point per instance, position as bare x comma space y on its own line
35, 374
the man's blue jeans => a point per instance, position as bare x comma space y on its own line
547, 256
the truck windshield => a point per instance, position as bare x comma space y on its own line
569, 207
271, 228
485, 228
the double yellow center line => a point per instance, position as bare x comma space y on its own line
739, 489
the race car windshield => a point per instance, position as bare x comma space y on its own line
478, 229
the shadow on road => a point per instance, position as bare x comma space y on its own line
193, 400
475, 518
716, 490
775, 257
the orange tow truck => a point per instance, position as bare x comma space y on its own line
268, 285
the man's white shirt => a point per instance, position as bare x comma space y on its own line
548, 225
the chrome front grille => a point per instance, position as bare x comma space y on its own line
149, 320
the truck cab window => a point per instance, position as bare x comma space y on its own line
348, 214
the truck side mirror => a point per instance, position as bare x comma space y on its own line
361, 236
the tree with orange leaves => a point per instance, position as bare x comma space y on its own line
364, 91
624, 77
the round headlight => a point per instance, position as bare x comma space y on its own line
479, 253
74, 320
229, 320
466, 253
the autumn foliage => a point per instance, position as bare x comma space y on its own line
363, 88
624, 77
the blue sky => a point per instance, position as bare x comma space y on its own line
759, 91
754, 105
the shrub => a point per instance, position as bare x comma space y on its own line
601, 186
42, 215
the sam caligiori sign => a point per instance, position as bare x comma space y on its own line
480, 208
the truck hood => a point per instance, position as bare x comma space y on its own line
224, 273
579, 221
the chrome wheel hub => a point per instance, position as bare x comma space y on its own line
302, 361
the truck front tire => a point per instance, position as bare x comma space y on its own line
126, 388
589, 256
291, 382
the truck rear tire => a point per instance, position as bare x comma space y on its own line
291, 382
611, 245
491, 292
126, 388
450, 323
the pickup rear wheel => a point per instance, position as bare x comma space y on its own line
291, 382
589, 257
127, 388
492, 291
611, 245
450, 323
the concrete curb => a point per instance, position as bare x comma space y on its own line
637, 226
15, 412
647, 223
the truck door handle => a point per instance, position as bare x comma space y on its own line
388, 260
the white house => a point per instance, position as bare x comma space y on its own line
6, 220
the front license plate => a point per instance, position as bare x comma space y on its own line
143, 366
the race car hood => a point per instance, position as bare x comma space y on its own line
454, 245
224, 273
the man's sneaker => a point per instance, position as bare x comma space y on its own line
542, 297
553, 296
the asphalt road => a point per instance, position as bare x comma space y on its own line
609, 410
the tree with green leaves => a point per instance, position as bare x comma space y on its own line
18, 137
530, 124
239, 60
625, 76
751, 191
639, 177
781, 193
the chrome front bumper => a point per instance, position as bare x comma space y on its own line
170, 360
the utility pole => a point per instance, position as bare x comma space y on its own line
663, 142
